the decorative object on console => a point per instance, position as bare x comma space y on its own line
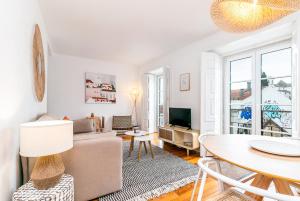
250, 15
188, 144
100, 88
98, 122
64, 190
134, 94
185, 82
188, 140
46, 140
38, 64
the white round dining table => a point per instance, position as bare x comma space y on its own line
283, 171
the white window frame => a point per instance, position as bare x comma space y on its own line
256, 53
157, 94
227, 103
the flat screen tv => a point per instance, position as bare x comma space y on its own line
180, 117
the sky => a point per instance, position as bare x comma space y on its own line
274, 64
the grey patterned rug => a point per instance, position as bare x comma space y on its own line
149, 178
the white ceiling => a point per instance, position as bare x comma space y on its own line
126, 31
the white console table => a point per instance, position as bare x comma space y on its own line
181, 137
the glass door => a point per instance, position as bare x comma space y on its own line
241, 99
259, 88
276, 92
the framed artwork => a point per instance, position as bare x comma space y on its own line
185, 82
100, 88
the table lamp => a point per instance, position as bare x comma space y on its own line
46, 140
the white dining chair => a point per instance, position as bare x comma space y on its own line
295, 185
232, 193
205, 154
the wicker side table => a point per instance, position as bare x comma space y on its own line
63, 191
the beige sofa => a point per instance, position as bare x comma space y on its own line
95, 162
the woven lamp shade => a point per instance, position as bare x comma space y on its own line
246, 16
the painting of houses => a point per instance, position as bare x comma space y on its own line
100, 88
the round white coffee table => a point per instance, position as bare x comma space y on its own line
142, 137
137, 134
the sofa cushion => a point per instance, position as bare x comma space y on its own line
46, 117
87, 136
83, 126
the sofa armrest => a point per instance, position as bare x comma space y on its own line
96, 165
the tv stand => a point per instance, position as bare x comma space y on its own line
181, 137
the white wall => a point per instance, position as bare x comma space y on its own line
66, 87
17, 100
188, 60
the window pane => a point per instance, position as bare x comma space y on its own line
277, 118
234, 130
277, 63
240, 70
241, 116
277, 91
241, 92
160, 93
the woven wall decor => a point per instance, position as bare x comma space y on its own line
38, 64
250, 15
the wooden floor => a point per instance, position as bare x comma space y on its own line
184, 193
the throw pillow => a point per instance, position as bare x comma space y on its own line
46, 117
83, 126
66, 118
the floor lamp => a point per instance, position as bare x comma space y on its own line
134, 94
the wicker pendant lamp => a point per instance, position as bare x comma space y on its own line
279, 4
250, 15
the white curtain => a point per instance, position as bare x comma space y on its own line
152, 103
211, 93
166, 83
145, 97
